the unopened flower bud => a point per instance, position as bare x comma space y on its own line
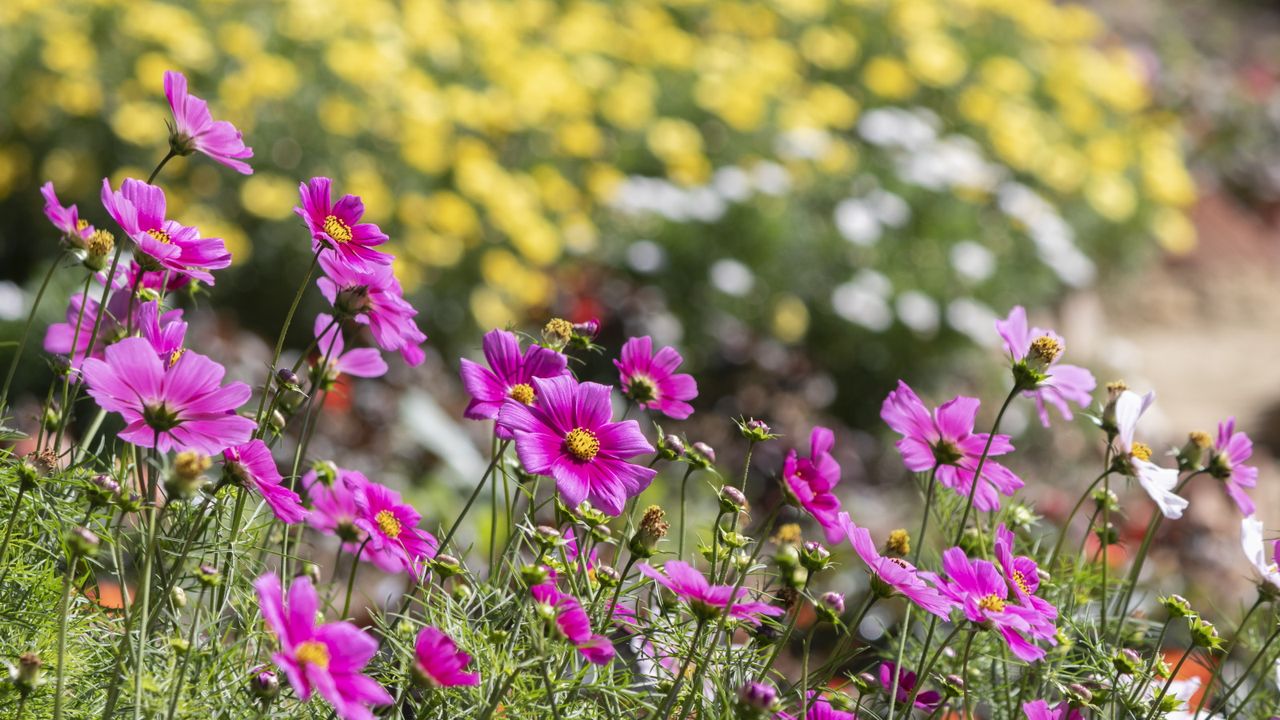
953, 685
27, 676
1105, 499
1078, 694
732, 539
758, 698
671, 447
865, 682
1126, 662
51, 419
28, 475
1177, 606
1107, 534
462, 592
533, 574
814, 557
601, 533
652, 528
787, 558
180, 645
607, 576
797, 577
755, 430
129, 502
1115, 389
732, 500
208, 575
830, 607
585, 332
287, 378
702, 455
446, 565
265, 685
178, 597
557, 333
1192, 455
1204, 634
82, 542
741, 561
547, 536
102, 490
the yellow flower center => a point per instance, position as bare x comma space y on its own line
582, 443
335, 228
313, 653
176, 355
159, 235
1045, 349
1021, 581
388, 524
899, 543
522, 393
81, 224
1200, 438
992, 603
100, 242
1141, 451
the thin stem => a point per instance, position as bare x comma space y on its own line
351, 578
284, 331
474, 494
977, 473
684, 489
64, 611
1155, 703
8, 530
26, 330
964, 673
1105, 538
163, 161
1226, 696
924, 522
661, 711
1226, 653
897, 675
1066, 525
924, 672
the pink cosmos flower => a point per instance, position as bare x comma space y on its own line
896, 574
165, 331
809, 481
334, 504
373, 297
820, 708
981, 591
509, 375
336, 227
704, 599
1227, 464
71, 338
66, 219
440, 662
326, 659
1040, 710
139, 209
651, 379
161, 281
572, 622
393, 541
945, 439
358, 362
183, 407
194, 129
252, 466
1054, 384
925, 700
567, 434
1022, 575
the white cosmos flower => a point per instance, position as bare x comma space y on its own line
1157, 481
1255, 549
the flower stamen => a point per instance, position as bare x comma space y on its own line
389, 524
312, 652
992, 603
582, 443
522, 393
160, 236
335, 228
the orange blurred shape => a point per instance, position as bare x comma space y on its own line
106, 594
1194, 667
1116, 554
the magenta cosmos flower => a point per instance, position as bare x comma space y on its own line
567, 434
251, 465
166, 332
894, 575
66, 219
334, 505
392, 539
440, 662
509, 375
1035, 354
358, 362
945, 440
651, 379
373, 297
819, 708
139, 209
1022, 575
326, 659
707, 601
1040, 710
183, 407
925, 700
72, 338
572, 623
195, 130
336, 226
809, 482
1226, 462
983, 594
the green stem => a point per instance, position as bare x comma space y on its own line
64, 611
1226, 696
351, 578
1226, 653
897, 675
8, 531
163, 161
977, 473
1140, 559
1066, 525
474, 494
684, 489
26, 330
284, 331
964, 674
1105, 538
924, 522
1155, 703
661, 711
924, 672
